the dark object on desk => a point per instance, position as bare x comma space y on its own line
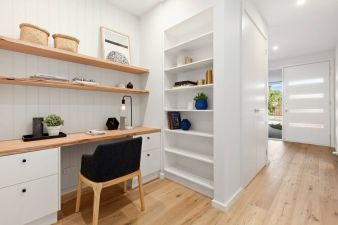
109, 165
185, 83
130, 85
174, 120
112, 124
37, 126
44, 136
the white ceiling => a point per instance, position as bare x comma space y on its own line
299, 31
135, 7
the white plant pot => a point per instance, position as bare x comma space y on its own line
54, 131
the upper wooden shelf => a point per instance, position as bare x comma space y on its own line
67, 85
34, 49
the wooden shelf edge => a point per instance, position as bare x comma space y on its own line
34, 49
67, 85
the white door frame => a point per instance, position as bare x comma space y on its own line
332, 94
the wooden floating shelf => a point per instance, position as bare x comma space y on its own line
67, 85
34, 49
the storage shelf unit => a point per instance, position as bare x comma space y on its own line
39, 50
191, 66
67, 85
187, 88
196, 42
188, 155
188, 110
191, 177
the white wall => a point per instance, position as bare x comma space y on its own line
275, 75
336, 98
81, 110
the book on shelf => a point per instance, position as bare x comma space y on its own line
174, 120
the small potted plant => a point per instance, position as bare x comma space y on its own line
53, 124
201, 101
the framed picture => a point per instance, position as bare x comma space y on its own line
115, 46
174, 120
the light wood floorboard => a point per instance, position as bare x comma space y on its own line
298, 187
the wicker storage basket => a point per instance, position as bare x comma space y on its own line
66, 42
35, 34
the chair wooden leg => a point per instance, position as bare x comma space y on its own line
78, 195
140, 188
125, 188
97, 193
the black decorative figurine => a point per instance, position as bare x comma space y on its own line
112, 124
130, 85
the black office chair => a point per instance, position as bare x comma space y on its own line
110, 164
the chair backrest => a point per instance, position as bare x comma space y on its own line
110, 161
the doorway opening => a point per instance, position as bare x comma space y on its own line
275, 105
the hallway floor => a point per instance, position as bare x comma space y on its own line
298, 187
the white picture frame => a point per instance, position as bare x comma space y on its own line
115, 46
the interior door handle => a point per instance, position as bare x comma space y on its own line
258, 110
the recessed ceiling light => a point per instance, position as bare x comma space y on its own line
275, 48
300, 2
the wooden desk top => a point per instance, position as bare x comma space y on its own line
17, 146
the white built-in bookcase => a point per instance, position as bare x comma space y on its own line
188, 155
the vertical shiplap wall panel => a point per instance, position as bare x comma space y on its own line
81, 110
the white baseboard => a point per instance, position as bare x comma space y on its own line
225, 206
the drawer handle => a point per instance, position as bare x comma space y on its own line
148, 155
24, 160
148, 138
24, 190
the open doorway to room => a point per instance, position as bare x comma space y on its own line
275, 104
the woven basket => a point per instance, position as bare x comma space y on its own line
34, 34
66, 42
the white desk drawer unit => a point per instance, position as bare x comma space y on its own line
151, 141
24, 167
29, 187
150, 158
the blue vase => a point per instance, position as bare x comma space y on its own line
185, 124
201, 104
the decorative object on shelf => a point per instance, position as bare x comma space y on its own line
187, 60
200, 82
180, 60
37, 126
115, 46
174, 120
201, 101
123, 108
53, 124
66, 42
130, 85
190, 105
49, 77
112, 124
95, 132
122, 122
185, 124
184, 83
209, 77
34, 34
44, 136
84, 81
120, 85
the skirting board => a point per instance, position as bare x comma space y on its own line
49, 219
225, 206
